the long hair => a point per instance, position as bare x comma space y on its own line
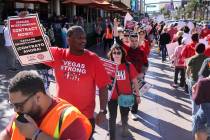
116, 46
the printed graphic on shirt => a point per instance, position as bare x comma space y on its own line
209, 64
121, 75
73, 70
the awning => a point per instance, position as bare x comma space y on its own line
32, 1
112, 7
121, 5
86, 2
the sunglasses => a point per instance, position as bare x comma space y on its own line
116, 53
21, 104
126, 35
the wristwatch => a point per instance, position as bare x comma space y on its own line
104, 111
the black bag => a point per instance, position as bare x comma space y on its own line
202, 91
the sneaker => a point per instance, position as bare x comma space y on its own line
134, 117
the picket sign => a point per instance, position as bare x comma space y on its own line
28, 40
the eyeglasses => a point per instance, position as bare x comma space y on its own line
116, 53
20, 105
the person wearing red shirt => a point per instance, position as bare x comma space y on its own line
207, 50
205, 31
144, 44
135, 54
172, 31
189, 49
138, 58
125, 75
77, 73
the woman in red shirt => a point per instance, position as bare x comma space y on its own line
126, 75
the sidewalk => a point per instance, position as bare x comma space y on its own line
164, 114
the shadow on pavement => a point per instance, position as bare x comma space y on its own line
165, 128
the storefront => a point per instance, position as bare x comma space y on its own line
12, 7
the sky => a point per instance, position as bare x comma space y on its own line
153, 8
157, 8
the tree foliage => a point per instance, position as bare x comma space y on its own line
165, 12
191, 8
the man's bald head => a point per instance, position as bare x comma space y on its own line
76, 39
75, 29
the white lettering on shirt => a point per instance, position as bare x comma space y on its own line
73, 70
121, 75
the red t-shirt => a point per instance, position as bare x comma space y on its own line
145, 47
123, 80
207, 51
189, 50
137, 57
204, 32
77, 77
172, 32
71, 132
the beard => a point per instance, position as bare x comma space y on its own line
35, 113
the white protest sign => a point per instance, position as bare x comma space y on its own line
28, 40
128, 17
181, 24
171, 48
204, 41
144, 89
160, 18
190, 25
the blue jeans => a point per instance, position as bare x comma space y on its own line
164, 51
202, 118
195, 107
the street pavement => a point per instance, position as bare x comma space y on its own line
164, 113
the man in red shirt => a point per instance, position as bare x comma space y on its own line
205, 31
78, 72
138, 58
172, 31
189, 49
